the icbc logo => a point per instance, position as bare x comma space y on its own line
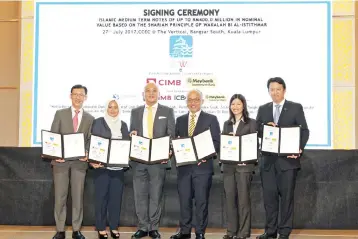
164, 82
179, 97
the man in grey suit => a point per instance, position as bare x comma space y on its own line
151, 120
66, 121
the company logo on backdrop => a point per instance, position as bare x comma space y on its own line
181, 46
179, 97
201, 81
215, 98
164, 82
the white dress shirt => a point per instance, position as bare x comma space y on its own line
237, 125
195, 118
73, 110
274, 107
145, 120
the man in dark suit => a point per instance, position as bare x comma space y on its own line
66, 121
151, 120
194, 181
278, 174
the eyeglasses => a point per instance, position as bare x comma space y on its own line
193, 100
78, 95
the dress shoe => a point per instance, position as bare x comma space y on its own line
59, 235
102, 236
115, 235
283, 237
139, 234
154, 234
199, 236
77, 235
229, 237
267, 236
180, 235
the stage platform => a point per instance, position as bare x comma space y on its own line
326, 193
43, 232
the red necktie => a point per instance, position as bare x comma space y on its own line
75, 121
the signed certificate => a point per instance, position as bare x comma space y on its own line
160, 149
270, 139
51, 144
230, 149
249, 147
140, 149
184, 151
74, 146
281, 140
204, 145
98, 151
290, 140
119, 153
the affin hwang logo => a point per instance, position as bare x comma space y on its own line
181, 46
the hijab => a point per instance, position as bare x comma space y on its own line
114, 123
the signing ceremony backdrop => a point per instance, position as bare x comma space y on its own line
221, 48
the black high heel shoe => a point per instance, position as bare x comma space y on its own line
115, 235
102, 236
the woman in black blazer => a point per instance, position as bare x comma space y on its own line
237, 178
109, 182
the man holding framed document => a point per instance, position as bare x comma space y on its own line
283, 128
71, 121
195, 177
148, 124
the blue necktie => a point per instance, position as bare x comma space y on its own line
277, 114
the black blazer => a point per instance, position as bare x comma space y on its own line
292, 114
205, 121
243, 128
100, 128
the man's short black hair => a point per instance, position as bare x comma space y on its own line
278, 80
79, 87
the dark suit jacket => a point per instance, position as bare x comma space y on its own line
292, 114
164, 124
62, 123
205, 121
101, 128
247, 127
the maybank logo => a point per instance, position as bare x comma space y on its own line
215, 98
201, 82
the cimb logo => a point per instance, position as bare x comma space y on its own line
164, 82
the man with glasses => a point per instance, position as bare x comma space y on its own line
194, 181
71, 120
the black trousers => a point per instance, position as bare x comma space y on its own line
238, 203
192, 185
109, 186
278, 191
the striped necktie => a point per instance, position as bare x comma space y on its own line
75, 121
192, 125
277, 114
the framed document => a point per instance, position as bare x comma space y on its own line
149, 151
63, 146
282, 141
109, 152
184, 151
191, 150
238, 149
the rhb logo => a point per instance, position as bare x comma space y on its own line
164, 82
